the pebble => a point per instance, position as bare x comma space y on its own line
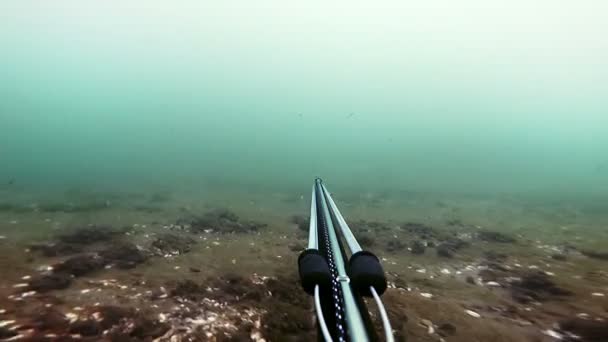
2, 311
14, 222
426, 295
553, 333
21, 285
216, 243
445, 271
7, 322
472, 313
429, 325
422, 270
493, 283
85, 291
27, 277
72, 317
597, 294
2, 237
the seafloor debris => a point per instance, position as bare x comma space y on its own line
417, 247
302, 222
446, 329
366, 240
51, 249
535, 286
171, 244
595, 254
123, 255
89, 235
219, 221
76, 240
48, 282
80, 265
447, 248
113, 323
472, 313
419, 229
493, 236
240, 308
295, 246
395, 245
587, 330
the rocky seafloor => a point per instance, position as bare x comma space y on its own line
214, 275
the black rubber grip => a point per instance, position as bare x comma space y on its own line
366, 271
313, 270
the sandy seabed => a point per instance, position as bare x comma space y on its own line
171, 268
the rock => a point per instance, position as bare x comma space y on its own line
188, 289
444, 251
110, 315
223, 221
394, 245
470, 280
195, 270
417, 247
80, 265
115, 323
595, 254
588, 330
302, 222
89, 235
361, 226
447, 248
52, 249
124, 255
173, 244
6, 333
454, 244
421, 230
559, 257
146, 329
536, 286
48, 282
48, 319
493, 236
494, 256
87, 327
446, 329
295, 247
455, 223
366, 240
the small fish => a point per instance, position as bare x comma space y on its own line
11, 181
350, 115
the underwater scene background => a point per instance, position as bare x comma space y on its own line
156, 162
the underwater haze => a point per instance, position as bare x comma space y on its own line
469, 96
157, 157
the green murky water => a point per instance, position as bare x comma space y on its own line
461, 115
